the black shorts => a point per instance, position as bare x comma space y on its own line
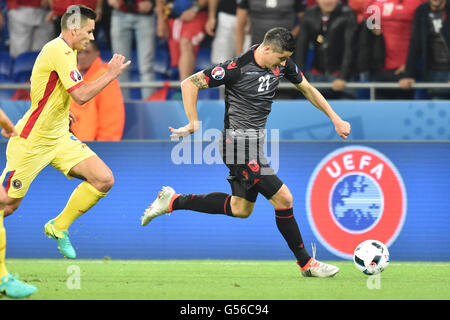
250, 172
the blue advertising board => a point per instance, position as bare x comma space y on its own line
343, 192
295, 119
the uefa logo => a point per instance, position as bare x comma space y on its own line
75, 75
218, 73
355, 194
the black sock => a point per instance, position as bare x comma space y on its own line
287, 225
215, 203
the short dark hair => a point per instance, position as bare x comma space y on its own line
76, 15
279, 39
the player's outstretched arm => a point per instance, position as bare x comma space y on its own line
87, 91
315, 97
189, 89
8, 129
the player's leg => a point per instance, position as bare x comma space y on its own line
284, 216
282, 202
76, 159
239, 204
20, 31
121, 41
146, 31
186, 63
9, 285
22, 167
190, 38
3, 270
99, 180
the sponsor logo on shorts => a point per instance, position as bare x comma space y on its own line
218, 73
17, 184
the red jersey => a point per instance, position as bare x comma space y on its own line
396, 26
13, 4
59, 7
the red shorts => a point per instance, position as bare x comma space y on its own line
194, 30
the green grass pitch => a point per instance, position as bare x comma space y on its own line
224, 280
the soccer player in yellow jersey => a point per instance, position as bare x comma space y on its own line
9, 284
43, 132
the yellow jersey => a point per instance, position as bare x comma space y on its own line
54, 76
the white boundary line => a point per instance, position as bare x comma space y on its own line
208, 262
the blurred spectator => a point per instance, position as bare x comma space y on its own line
135, 16
103, 117
264, 15
330, 27
27, 28
221, 25
395, 19
59, 7
430, 42
2, 20
358, 7
182, 22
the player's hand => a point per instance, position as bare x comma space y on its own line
162, 29
49, 17
145, 6
342, 128
210, 26
114, 3
406, 83
116, 65
339, 84
183, 131
9, 131
400, 69
188, 15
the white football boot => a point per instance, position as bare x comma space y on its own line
162, 205
315, 268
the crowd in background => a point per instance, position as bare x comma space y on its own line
400, 41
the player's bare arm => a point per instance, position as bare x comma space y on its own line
189, 88
87, 91
315, 97
8, 129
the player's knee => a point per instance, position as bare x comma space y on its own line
242, 213
241, 210
185, 44
10, 208
105, 182
283, 198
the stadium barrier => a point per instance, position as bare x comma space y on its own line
370, 86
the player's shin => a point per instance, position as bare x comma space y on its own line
288, 227
3, 270
214, 203
84, 197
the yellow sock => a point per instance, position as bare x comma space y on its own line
3, 270
84, 197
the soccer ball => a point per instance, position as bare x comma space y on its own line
371, 257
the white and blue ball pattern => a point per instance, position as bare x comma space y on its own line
371, 257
